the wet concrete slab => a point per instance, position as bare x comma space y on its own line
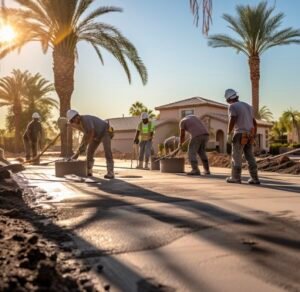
184, 233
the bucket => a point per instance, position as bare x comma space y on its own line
154, 165
172, 165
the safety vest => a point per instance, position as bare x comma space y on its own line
145, 130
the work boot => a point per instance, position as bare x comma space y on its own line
140, 165
195, 169
146, 165
253, 181
90, 172
110, 175
206, 167
235, 177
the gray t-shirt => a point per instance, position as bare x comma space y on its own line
193, 125
243, 113
91, 122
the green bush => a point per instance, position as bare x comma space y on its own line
295, 146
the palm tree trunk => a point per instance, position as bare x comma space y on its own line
63, 68
254, 65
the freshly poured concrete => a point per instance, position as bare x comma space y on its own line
184, 233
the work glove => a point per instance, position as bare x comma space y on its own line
229, 138
136, 141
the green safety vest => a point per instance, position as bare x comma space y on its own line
145, 130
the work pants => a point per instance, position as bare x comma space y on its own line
196, 147
31, 148
237, 155
145, 150
92, 147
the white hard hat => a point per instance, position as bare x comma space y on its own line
230, 94
71, 114
36, 116
144, 116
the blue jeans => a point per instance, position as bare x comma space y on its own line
145, 150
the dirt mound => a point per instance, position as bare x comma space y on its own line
29, 261
219, 159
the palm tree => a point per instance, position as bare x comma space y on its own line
11, 94
138, 107
258, 31
264, 113
61, 25
206, 13
279, 130
291, 118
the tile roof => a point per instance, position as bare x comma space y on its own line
193, 101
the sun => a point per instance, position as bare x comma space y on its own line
7, 34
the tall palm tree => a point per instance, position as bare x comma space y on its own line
291, 118
264, 113
258, 31
11, 94
61, 25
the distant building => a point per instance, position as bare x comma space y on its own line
214, 115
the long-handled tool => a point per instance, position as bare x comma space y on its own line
173, 153
134, 154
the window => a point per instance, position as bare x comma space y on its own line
185, 113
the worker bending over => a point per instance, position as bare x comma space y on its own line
95, 131
143, 137
197, 145
171, 143
33, 137
244, 127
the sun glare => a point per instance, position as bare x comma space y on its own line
7, 34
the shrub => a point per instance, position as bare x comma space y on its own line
274, 148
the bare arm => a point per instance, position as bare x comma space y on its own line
255, 126
231, 123
182, 136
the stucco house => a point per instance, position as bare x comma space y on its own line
214, 115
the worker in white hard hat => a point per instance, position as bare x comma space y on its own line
143, 137
95, 131
33, 137
242, 128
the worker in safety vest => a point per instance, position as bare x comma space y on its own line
33, 137
171, 143
143, 137
95, 131
243, 125
197, 145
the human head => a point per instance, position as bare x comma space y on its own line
144, 117
231, 95
73, 116
36, 116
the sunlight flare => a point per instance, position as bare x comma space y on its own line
7, 34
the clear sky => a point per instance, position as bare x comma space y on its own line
179, 62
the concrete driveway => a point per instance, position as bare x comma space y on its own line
149, 231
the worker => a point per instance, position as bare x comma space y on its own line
33, 137
95, 131
197, 145
171, 143
143, 137
244, 127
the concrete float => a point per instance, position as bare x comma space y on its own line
172, 165
76, 167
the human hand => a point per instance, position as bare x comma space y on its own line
229, 138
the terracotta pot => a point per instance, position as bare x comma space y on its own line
172, 165
154, 165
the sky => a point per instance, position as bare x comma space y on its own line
180, 63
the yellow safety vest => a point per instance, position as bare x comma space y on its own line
145, 130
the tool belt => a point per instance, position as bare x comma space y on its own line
247, 138
111, 132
